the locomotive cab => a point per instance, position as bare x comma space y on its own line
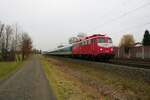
105, 47
105, 42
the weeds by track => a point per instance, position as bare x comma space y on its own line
120, 69
131, 63
110, 80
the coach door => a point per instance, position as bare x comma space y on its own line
93, 45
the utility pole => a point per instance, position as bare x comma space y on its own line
1, 30
143, 52
16, 37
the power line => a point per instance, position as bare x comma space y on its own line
136, 26
123, 15
133, 27
108, 13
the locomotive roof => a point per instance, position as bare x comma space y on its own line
95, 35
67, 46
92, 36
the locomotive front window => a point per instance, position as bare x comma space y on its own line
101, 40
109, 40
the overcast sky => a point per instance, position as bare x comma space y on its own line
52, 22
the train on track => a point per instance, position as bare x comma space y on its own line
97, 46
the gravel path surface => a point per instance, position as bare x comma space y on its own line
29, 83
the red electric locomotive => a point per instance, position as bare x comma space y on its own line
96, 46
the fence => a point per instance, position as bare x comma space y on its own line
142, 52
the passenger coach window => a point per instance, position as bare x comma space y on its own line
109, 40
101, 40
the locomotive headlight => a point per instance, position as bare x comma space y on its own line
101, 49
111, 49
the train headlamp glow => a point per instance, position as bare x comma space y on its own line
111, 49
101, 49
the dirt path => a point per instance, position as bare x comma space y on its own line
29, 83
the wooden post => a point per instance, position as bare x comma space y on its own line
118, 52
142, 52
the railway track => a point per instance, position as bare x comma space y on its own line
131, 63
126, 62
130, 70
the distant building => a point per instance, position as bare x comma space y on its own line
138, 44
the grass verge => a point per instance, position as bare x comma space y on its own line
92, 82
7, 68
128, 88
67, 87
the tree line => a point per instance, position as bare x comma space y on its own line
14, 44
127, 41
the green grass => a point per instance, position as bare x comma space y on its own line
67, 87
133, 89
7, 68
19, 58
73, 77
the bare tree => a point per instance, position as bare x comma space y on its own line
9, 32
1, 34
1, 29
81, 35
13, 44
73, 40
26, 45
